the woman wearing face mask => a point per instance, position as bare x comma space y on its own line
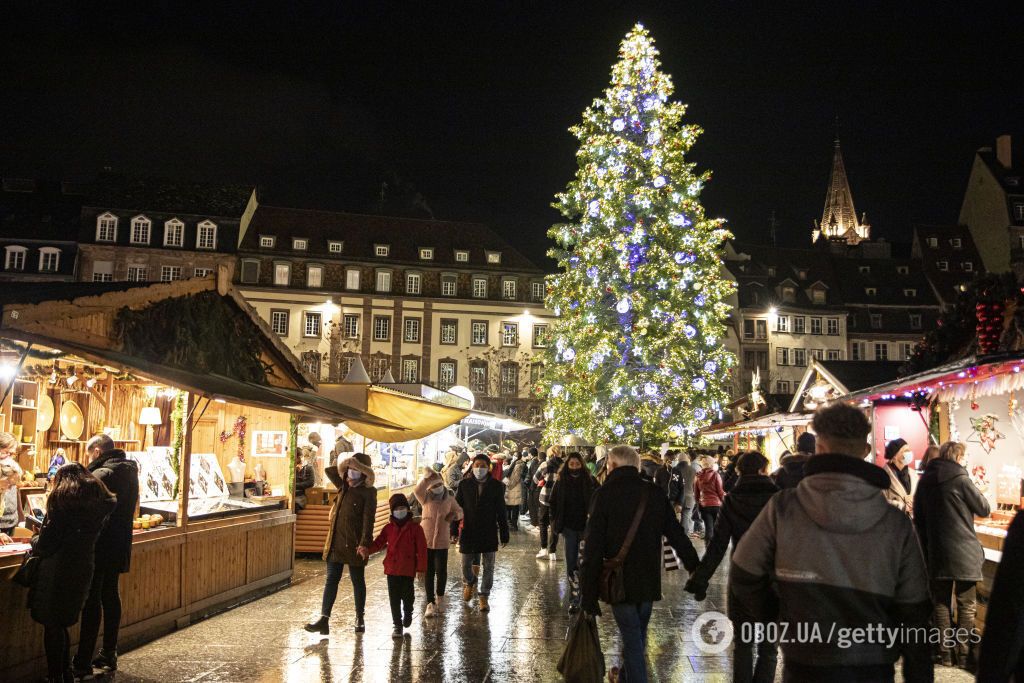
406, 557
900, 492
350, 530
514, 492
570, 501
482, 499
439, 511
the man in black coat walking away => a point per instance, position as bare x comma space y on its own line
482, 499
791, 469
113, 556
613, 508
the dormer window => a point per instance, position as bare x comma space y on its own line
494, 258
174, 233
910, 293
300, 244
335, 247
771, 271
876, 321
864, 270
902, 270
870, 291
206, 235
14, 258
789, 294
1018, 212
426, 253
942, 265
49, 260
802, 273
461, 256
818, 296
267, 241
106, 228
933, 242
956, 242
968, 266
140, 230
381, 249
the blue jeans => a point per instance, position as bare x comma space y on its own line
632, 619
470, 559
334, 571
572, 551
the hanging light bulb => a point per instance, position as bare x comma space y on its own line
91, 382
72, 378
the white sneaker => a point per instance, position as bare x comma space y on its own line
542, 554
553, 557
429, 612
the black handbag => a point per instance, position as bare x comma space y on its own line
28, 572
612, 588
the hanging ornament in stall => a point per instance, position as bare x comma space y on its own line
990, 325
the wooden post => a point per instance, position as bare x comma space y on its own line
185, 464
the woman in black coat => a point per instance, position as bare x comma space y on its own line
945, 505
570, 502
75, 513
1002, 648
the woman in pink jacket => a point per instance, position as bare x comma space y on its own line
439, 511
707, 489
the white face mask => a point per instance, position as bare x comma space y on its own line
480, 473
437, 491
400, 513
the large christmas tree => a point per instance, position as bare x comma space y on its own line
636, 351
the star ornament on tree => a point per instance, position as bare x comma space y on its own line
634, 224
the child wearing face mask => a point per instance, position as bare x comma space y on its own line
439, 511
406, 558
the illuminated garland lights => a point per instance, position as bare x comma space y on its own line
636, 348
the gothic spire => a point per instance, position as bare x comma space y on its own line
839, 218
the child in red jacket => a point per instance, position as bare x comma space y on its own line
406, 557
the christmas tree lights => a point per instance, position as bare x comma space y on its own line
636, 350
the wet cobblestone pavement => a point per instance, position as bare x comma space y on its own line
520, 639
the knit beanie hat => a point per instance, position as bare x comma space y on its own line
893, 447
398, 501
806, 443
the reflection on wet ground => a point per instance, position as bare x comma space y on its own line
520, 639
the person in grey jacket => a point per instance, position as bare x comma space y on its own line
832, 557
682, 491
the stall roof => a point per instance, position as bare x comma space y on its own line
972, 369
846, 376
772, 421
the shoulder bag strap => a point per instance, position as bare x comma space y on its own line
624, 550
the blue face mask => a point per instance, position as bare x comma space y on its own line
400, 513
480, 473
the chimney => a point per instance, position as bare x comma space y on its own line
1003, 151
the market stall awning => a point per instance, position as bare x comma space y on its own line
759, 424
418, 416
496, 422
826, 380
969, 371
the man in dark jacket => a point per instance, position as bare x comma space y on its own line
613, 508
681, 492
841, 562
751, 493
1002, 649
482, 499
113, 556
532, 490
791, 469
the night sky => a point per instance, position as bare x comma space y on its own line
318, 104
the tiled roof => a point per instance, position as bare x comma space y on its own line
157, 194
38, 210
861, 374
361, 233
895, 282
947, 283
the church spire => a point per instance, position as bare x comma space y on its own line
839, 218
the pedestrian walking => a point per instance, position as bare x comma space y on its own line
76, 510
741, 507
406, 558
708, 490
900, 493
1002, 649
628, 518
545, 480
514, 492
682, 492
350, 528
534, 489
439, 511
569, 503
653, 470
833, 554
484, 523
945, 505
729, 473
120, 475
791, 466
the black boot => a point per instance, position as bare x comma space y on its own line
106, 661
319, 626
360, 624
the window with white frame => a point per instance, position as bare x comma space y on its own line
14, 258
968, 266
314, 276
858, 350
540, 336
383, 280
782, 387
799, 324
170, 273
479, 287
103, 271
282, 274
446, 374
800, 357
478, 333
832, 327
279, 322
818, 354
782, 356
174, 233
311, 362
412, 330
461, 256
833, 354
106, 228
449, 331
508, 289
870, 291
312, 324
815, 325
478, 378
509, 379
957, 243
410, 370
881, 351
352, 278
138, 274
933, 242
335, 247
381, 328
910, 293
300, 244
140, 230
448, 286
906, 350
537, 291
49, 260
250, 271
202, 272
206, 235
943, 265
413, 283
379, 366
789, 294
494, 258
1018, 212
426, 253
267, 241
782, 323
350, 326
381, 249
510, 334
818, 295
915, 321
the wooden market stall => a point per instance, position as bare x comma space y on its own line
773, 435
189, 382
